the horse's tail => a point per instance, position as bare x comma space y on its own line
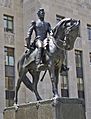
18, 66
20, 63
43, 76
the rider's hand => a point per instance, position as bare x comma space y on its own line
51, 33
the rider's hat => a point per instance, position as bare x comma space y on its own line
40, 9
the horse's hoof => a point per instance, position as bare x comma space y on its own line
55, 101
56, 96
16, 106
39, 99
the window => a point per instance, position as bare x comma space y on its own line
90, 57
9, 103
78, 58
64, 80
8, 24
64, 83
89, 31
9, 75
79, 72
64, 86
9, 82
9, 97
80, 85
79, 66
9, 56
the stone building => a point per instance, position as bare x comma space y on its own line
15, 19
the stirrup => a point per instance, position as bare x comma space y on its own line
40, 67
64, 68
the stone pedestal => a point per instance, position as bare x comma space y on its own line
60, 108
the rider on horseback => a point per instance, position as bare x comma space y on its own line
41, 29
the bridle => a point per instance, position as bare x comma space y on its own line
66, 32
54, 41
62, 41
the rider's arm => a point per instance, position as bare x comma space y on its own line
49, 29
29, 33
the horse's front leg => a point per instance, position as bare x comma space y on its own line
57, 76
16, 90
54, 81
35, 76
20, 79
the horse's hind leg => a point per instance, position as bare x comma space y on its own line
21, 74
35, 76
54, 81
27, 82
32, 86
57, 77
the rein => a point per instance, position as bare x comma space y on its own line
57, 44
63, 42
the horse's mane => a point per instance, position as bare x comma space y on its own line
55, 29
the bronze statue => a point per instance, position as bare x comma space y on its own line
63, 38
41, 29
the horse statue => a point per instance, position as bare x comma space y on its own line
63, 39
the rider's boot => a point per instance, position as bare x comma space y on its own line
38, 58
64, 68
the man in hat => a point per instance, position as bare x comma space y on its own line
41, 29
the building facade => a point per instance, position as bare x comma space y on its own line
15, 19
11, 38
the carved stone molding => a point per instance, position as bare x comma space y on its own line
9, 39
6, 3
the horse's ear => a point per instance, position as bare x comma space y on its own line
54, 30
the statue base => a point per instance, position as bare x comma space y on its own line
60, 108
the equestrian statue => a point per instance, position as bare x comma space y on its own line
46, 53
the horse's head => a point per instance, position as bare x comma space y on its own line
67, 30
